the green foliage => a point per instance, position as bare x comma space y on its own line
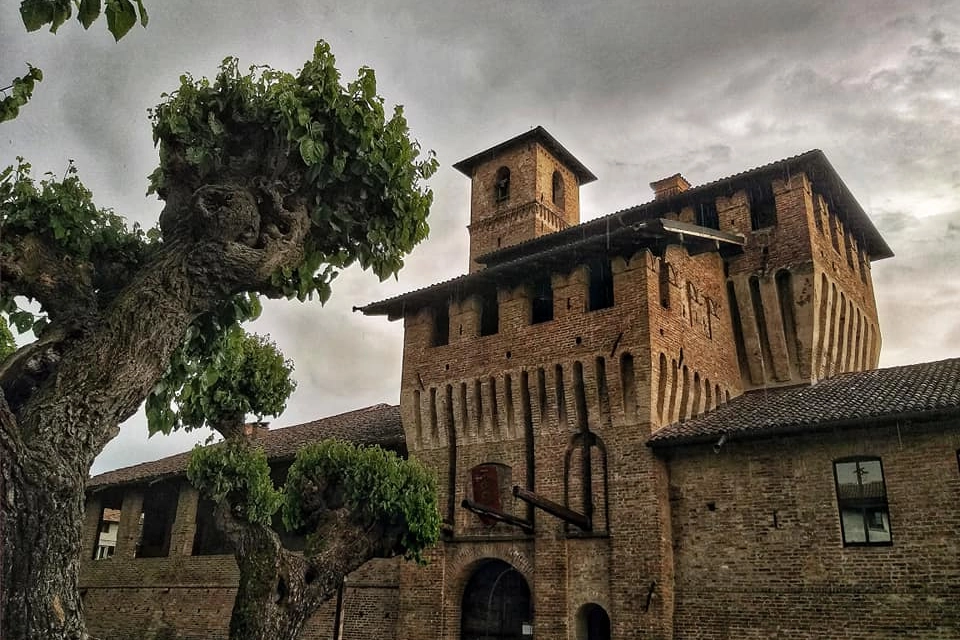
223, 379
121, 14
7, 344
61, 212
238, 472
21, 90
315, 141
377, 483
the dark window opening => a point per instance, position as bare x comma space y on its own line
763, 206
489, 313
156, 520
441, 326
105, 542
664, 281
707, 215
558, 198
862, 500
208, 540
593, 623
496, 604
502, 185
542, 302
600, 295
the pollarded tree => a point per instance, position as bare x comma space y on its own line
271, 182
352, 503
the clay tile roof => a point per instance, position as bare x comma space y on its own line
916, 391
379, 425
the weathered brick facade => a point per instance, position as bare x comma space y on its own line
567, 393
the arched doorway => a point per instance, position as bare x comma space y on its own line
496, 604
593, 623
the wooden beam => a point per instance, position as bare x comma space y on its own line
487, 512
558, 510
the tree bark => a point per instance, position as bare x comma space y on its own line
280, 589
102, 372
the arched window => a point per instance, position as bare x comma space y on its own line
502, 186
496, 604
558, 189
593, 623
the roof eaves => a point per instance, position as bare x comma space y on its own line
539, 134
800, 428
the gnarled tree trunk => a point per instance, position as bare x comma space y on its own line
64, 396
280, 589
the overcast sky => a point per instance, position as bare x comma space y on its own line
637, 90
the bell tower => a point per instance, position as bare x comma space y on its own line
521, 189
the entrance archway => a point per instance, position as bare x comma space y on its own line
496, 604
593, 623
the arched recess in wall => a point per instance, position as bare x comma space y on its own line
841, 344
784, 281
628, 386
696, 409
451, 426
737, 323
662, 388
557, 188
685, 394
496, 603
501, 188
822, 328
586, 497
592, 622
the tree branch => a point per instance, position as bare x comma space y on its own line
60, 283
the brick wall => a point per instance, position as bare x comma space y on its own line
530, 210
758, 546
127, 598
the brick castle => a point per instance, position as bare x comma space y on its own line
666, 422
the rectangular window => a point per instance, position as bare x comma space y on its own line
489, 313
862, 500
542, 302
207, 538
707, 216
156, 520
600, 295
763, 206
441, 326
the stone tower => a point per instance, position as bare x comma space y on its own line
532, 384
521, 189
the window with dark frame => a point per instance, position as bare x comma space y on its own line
862, 501
542, 301
502, 185
763, 205
600, 294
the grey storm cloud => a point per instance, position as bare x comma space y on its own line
636, 89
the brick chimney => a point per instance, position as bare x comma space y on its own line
669, 186
256, 430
